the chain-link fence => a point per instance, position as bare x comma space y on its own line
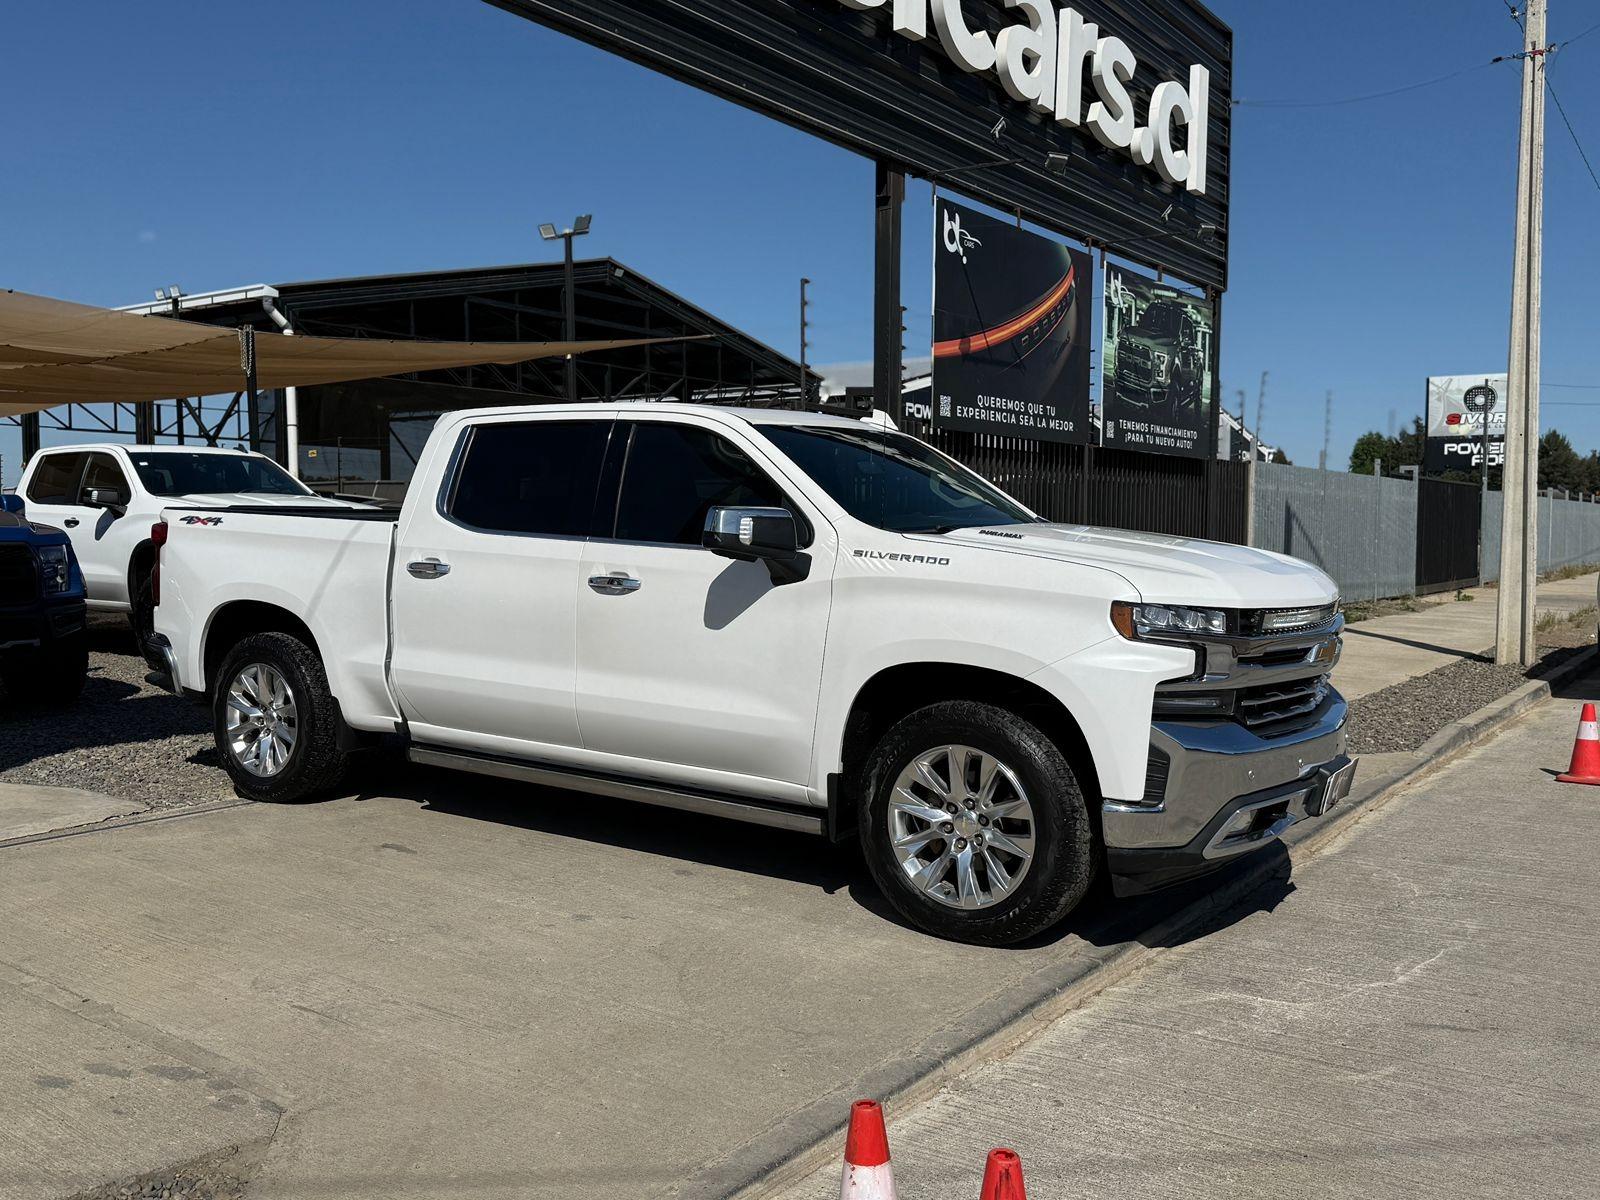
1569, 534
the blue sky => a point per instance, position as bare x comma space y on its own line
211, 143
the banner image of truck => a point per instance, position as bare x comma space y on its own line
1011, 330
1157, 392
1460, 409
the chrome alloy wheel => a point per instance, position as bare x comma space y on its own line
961, 826
263, 721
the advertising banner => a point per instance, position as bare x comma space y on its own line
1157, 391
1461, 410
1011, 330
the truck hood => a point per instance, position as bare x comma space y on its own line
17, 528
253, 499
1168, 570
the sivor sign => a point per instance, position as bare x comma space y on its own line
1046, 64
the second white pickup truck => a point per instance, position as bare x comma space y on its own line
784, 618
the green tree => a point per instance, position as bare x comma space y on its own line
1559, 464
1369, 448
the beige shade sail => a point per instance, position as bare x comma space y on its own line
56, 352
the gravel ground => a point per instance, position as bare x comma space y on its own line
1406, 715
221, 1176
123, 737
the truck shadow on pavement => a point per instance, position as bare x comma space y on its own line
1101, 920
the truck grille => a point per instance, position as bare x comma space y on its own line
19, 578
1278, 707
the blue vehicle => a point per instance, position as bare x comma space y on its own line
44, 641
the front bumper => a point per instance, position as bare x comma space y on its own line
39, 625
1204, 778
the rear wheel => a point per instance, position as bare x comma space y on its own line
975, 827
276, 723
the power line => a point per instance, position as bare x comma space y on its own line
1362, 99
1562, 109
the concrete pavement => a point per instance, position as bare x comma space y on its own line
1389, 650
454, 987
1411, 1014
27, 809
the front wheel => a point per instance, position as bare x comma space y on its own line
975, 827
276, 722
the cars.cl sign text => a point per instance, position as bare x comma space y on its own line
1046, 62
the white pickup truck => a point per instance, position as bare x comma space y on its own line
106, 496
784, 618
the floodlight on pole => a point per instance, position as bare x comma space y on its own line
548, 233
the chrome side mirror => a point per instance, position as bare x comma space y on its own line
105, 498
766, 535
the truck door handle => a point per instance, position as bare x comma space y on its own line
615, 584
71, 522
429, 568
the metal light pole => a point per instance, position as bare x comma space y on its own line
1516, 606
570, 296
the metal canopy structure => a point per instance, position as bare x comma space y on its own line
659, 346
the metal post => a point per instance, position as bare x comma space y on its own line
571, 306
1377, 521
30, 436
1516, 606
891, 197
805, 325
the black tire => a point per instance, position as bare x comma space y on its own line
52, 675
315, 763
1062, 866
142, 617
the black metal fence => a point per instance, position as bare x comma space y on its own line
1121, 489
1449, 528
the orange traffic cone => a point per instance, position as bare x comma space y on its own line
1585, 766
1002, 1177
867, 1172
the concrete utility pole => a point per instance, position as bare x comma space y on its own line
1327, 429
1261, 411
1517, 608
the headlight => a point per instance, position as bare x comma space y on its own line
55, 569
1135, 621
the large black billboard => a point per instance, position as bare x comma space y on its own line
1157, 387
1011, 329
1107, 120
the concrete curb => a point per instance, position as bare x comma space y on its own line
810, 1136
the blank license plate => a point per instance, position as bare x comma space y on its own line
1335, 789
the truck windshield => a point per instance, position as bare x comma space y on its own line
893, 481
174, 473
1160, 320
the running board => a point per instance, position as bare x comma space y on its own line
737, 808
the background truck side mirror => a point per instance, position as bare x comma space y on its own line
13, 503
764, 535
114, 502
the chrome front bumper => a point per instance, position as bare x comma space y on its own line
1226, 792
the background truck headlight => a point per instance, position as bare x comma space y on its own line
1136, 621
55, 569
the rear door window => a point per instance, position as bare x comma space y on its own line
56, 480
537, 478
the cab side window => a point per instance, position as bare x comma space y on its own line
56, 480
675, 474
103, 474
534, 478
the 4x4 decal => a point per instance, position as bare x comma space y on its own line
201, 520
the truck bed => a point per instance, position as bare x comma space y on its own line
326, 567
